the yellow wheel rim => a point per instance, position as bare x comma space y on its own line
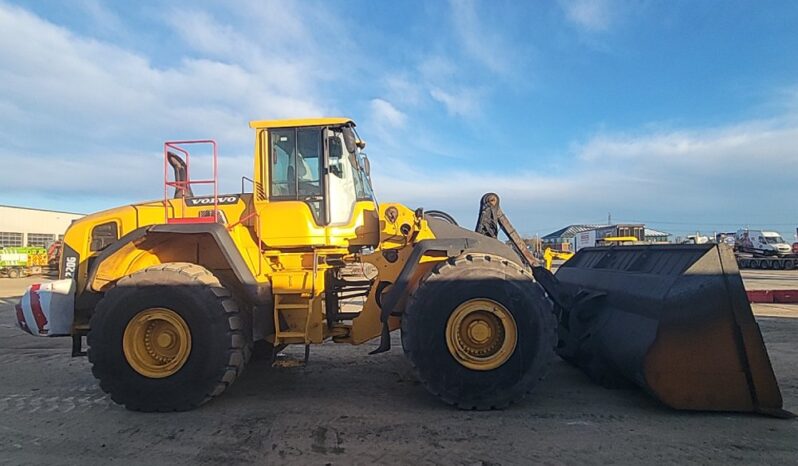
156, 342
481, 334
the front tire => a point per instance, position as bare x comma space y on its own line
167, 338
479, 332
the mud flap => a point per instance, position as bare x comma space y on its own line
672, 319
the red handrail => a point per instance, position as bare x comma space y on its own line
184, 185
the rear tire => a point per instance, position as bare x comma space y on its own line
426, 325
218, 342
789, 264
13, 273
765, 264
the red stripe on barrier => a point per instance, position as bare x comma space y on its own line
785, 296
36, 308
21, 318
773, 296
759, 296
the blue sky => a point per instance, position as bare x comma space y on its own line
682, 115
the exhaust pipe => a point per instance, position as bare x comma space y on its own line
673, 319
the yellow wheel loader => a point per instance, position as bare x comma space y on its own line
550, 254
174, 294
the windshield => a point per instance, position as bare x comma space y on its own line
362, 182
774, 239
347, 182
357, 159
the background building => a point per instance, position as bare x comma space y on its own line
564, 239
21, 226
561, 239
631, 232
656, 236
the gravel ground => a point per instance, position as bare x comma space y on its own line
346, 407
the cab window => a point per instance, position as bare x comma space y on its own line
295, 167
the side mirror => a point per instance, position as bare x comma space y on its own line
361, 144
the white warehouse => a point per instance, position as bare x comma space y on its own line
22, 226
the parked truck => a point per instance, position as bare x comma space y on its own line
21, 261
762, 243
762, 249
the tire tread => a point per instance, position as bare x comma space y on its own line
422, 293
185, 273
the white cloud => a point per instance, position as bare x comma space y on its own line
404, 91
202, 33
50, 71
459, 73
724, 174
463, 102
590, 15
104, 104
735, 147
89, 116
437, 68
102, 17
386, 115
482, 43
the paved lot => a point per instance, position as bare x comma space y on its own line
770, 279
350, 408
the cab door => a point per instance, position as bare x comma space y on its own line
294, 212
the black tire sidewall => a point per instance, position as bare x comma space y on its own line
207, 360
424, 335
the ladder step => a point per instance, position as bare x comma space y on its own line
292, 306
290, 335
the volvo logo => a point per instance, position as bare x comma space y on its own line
223, 200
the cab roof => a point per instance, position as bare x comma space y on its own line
329, 121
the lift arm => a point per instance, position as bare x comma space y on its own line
491, 219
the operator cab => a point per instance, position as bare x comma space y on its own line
313, 176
